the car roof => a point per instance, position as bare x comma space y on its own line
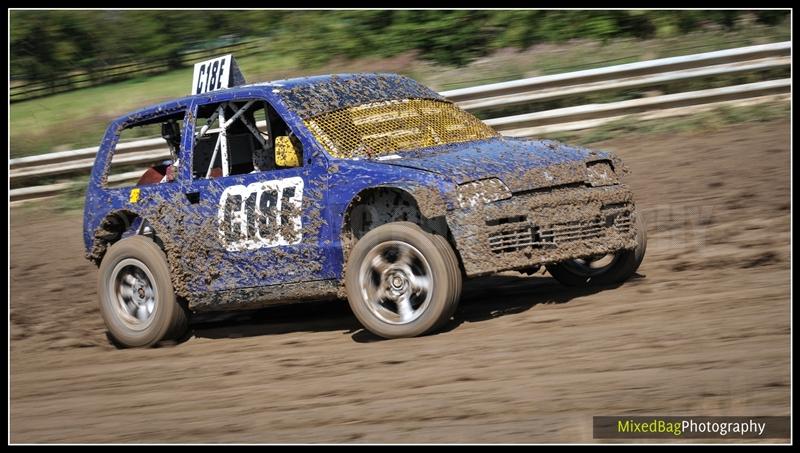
306, 90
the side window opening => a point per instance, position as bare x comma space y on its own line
130, 167
234, 138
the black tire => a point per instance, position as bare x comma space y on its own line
429, 253
623, 266
138, 257
454, 271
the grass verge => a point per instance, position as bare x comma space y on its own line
78, 119
72, 199
705, 121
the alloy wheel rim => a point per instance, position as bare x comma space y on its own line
133, 290
396, 282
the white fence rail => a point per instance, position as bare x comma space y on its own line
507, 94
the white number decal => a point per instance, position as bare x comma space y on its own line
261, 214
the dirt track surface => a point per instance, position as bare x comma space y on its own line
704, 330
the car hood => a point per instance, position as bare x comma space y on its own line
522, 164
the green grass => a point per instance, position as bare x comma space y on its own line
546, 59
72, 199
78, 119
705, 121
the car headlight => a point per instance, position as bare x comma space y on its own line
601, 173
484, 191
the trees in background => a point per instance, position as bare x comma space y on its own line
45, 44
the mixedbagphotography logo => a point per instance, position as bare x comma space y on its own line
690, 427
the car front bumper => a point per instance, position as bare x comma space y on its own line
544, 226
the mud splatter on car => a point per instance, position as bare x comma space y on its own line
373, 186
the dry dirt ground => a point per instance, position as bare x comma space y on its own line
703, 330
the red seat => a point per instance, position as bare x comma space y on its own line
154, 174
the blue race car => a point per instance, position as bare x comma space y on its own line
371, 187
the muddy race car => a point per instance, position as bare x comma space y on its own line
371, 187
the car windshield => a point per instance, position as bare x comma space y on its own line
382, 128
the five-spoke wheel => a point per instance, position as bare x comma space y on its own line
402, 281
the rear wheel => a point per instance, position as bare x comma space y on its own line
603, 269
137, 300
402, 281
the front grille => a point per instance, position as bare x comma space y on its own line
623, 223
507, 241
574, 231
561, 233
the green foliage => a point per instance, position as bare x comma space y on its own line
45, 44
78, 118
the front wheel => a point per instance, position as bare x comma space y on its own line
603, 269
402, 281
137, 300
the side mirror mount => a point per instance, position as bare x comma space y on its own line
287, 152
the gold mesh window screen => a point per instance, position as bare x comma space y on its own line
380, 128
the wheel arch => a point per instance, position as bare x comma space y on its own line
383, 204
114, 226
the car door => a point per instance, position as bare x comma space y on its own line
257, 228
